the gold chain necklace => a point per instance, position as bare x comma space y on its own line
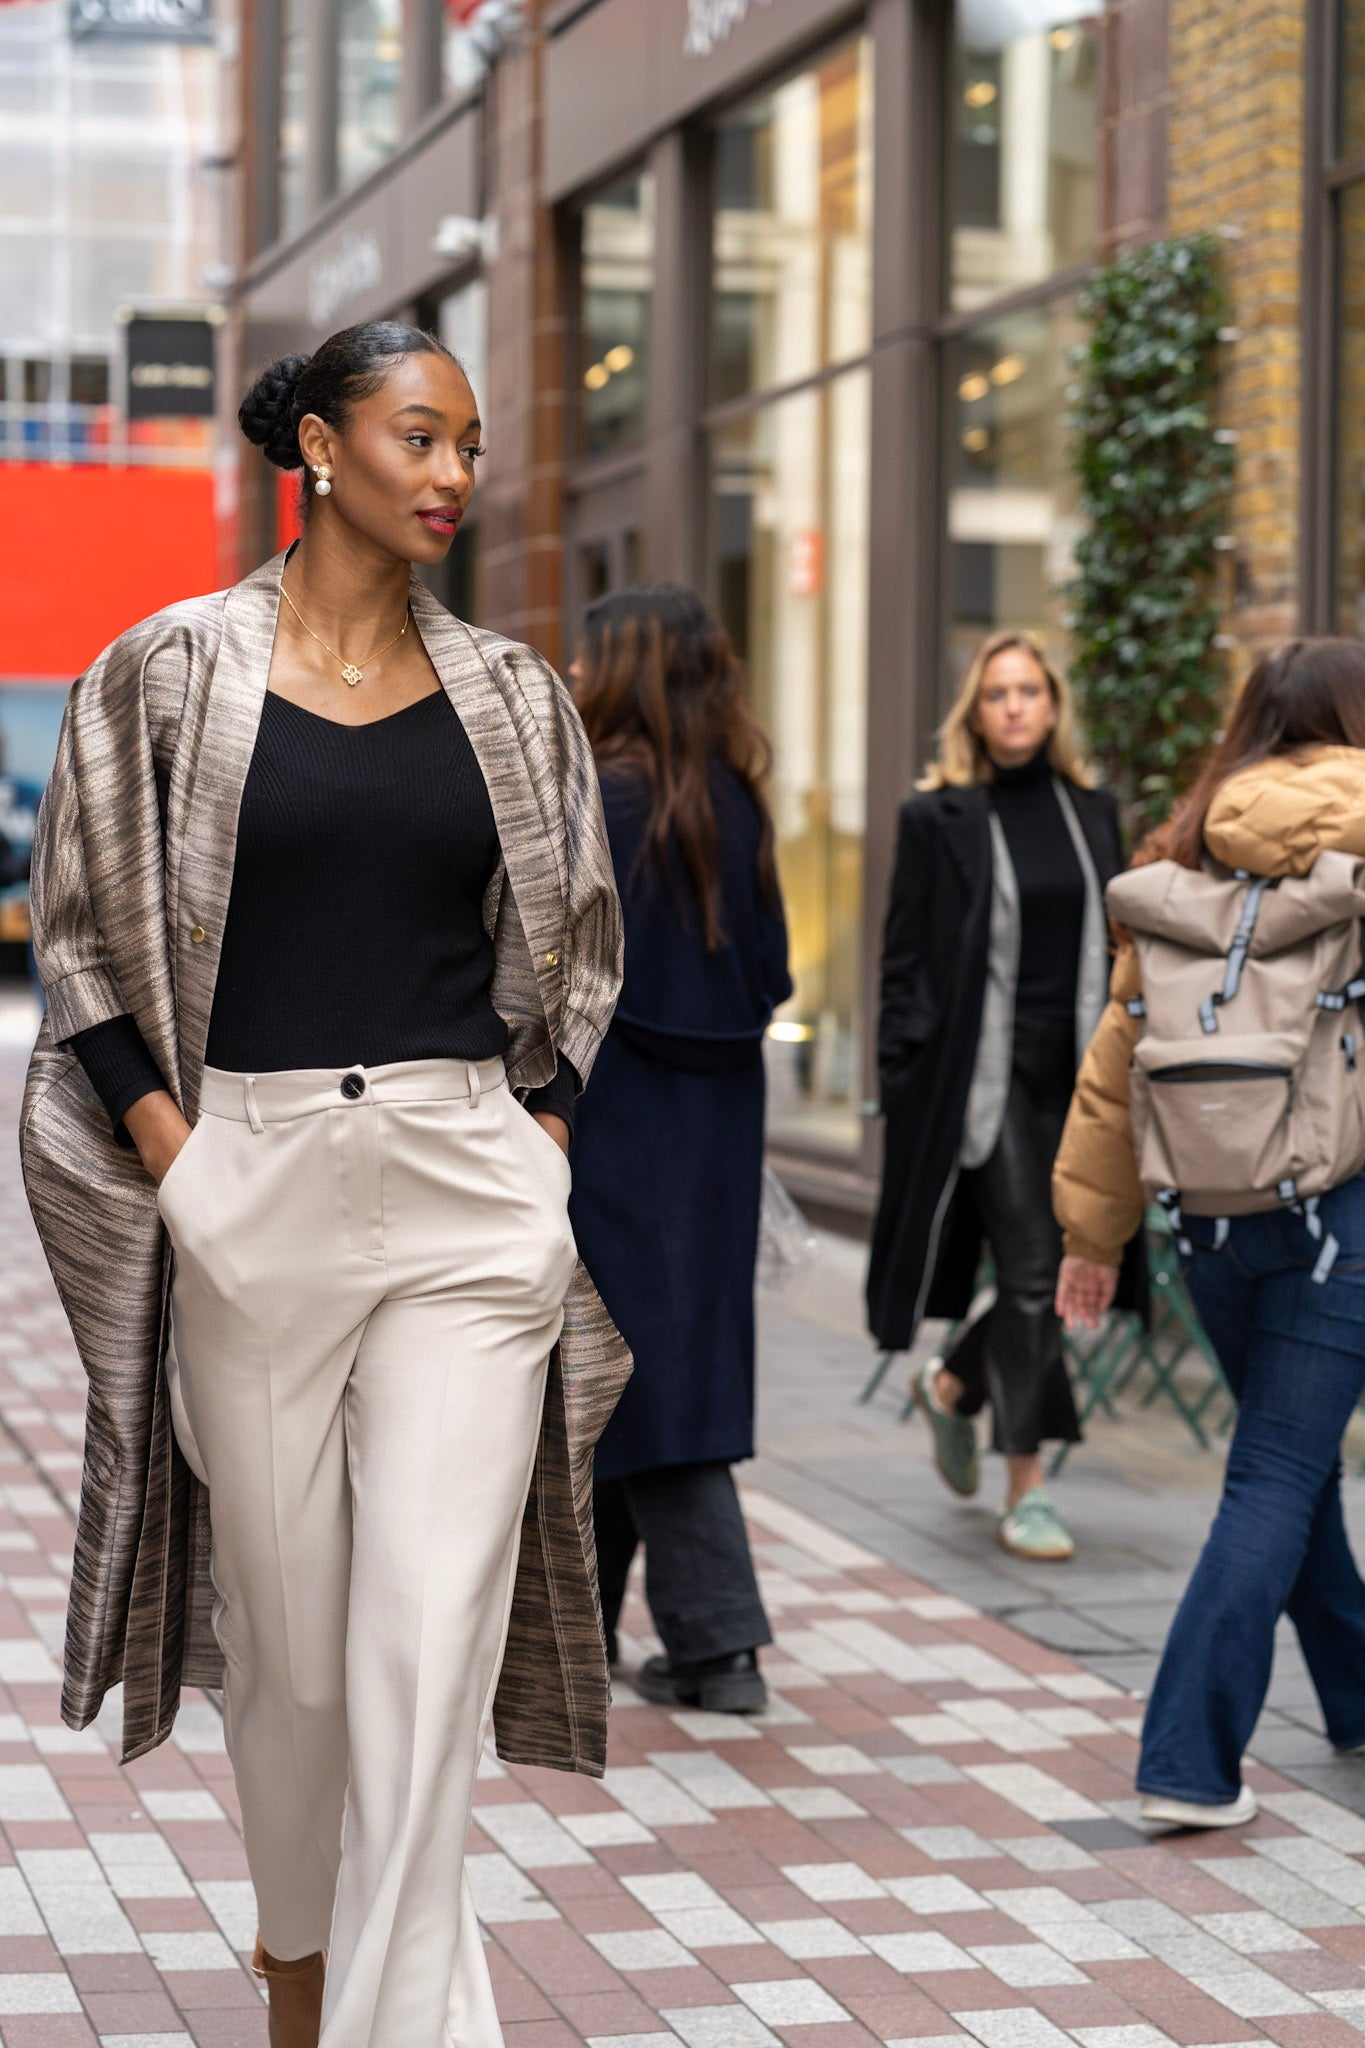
349, 672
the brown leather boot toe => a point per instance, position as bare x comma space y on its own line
295, 1997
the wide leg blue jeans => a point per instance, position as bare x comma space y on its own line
1293, 1350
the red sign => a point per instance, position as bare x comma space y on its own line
89, 551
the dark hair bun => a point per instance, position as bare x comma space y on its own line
268, 414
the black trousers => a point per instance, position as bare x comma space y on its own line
699, 1576
1012, 1356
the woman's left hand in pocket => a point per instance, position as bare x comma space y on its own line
555, 1127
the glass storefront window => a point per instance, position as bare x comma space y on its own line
293, 116
792, 245
370, 64
1026, 103
617, 283
1012, 523
463, 60
1350, 415
789, 555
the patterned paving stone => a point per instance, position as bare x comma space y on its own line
929, 1839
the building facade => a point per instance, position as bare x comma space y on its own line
776, 297
115, 201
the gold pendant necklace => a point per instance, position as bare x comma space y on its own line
349, 672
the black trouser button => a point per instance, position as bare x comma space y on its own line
353, 1087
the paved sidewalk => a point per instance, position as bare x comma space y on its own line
928, 1839
1138, 1495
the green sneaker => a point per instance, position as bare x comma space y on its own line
954, 1436
1033, 1528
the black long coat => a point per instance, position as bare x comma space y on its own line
668, 1143
926, 1243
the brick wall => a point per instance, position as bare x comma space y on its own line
1235, 161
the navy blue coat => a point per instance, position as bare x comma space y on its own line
668, 1141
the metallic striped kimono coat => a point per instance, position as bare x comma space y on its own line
132, 870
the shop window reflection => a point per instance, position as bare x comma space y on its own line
293, 116
793, 217
617, 281
1025, 191
370, 63
1012, 520
789, 549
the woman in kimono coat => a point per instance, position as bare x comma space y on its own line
324, 910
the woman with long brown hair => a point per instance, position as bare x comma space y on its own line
668, 1154
1286, 783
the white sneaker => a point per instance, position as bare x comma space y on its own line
1155, 1810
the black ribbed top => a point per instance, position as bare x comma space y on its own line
354, 932
1051, 887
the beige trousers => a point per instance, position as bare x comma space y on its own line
369, 1272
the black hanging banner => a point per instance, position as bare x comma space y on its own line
170, 367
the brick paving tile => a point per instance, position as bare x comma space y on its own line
48, 2030
541, 2034
1343, 1941
1311, 2030
933, 1807
229, 2030
132, 2012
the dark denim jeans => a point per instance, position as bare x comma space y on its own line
1293, 1351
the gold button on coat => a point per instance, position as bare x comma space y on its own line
197, 935
552, 959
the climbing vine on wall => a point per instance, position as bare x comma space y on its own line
1154, 476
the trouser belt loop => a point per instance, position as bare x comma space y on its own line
253, 1114
474, 1089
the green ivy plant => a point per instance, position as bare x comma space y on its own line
1154, 480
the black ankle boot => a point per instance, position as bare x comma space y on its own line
718, 1685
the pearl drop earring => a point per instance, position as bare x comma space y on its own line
324, 479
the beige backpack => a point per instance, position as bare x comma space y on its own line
1248, 1078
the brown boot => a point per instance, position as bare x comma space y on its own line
295, 1997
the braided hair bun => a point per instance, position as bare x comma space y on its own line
270, 413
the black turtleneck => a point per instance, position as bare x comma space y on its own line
1051, 887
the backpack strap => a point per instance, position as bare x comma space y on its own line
1169, 1200
1338, 998
1236, 955
1324, 1239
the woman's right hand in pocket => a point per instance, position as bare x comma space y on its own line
159, 1129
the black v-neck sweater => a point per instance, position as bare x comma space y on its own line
354, 932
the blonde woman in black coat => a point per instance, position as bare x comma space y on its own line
994, 975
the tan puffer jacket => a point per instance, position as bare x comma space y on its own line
1273, 819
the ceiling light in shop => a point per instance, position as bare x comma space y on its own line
976, 440
1062, 38
981, 92
595, 377
791, 1034
1008, 370
619, 358
973, 386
